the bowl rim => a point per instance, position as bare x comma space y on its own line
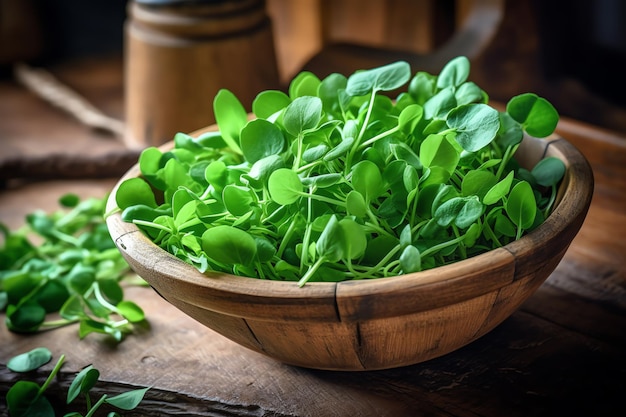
355, 299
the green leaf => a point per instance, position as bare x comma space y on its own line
268, 102
88, 326
442, 193
322, 180
304, 113
329, 92
238, 199
476, 125
180, 199
83, 382
477, 183
150, 161
468, 93
23, 400
211, 140
26, 318
81, 277
472, 234
30, 361
331, 244
341, 149
52, 295
549, 171
438, 106
378, 247
410, 178
409, 118
175, 176
406, 236
72, 309
187, 142
265, 250
410, 260
41, 223
367, 180
454, 73
504, 226
434, 175
499, 190
355, 204
510, 133
303, 84
15, 248
69, 200
355, 240
521, 206
230, 116
471, 211
315, 152
259, 139
436, 150
229, 245
403, 152
142, 212
422, 87
197, 172
134, 191
127, 400
263, 168
18, 284
285, 186
111, 290
463, 211
99, 309
385, 78
216, 174
536, 115
130, 311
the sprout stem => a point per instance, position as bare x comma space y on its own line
55, 371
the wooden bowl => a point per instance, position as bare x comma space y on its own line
379, 323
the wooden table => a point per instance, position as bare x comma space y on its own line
563, 353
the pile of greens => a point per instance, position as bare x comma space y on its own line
63, 268
336, 180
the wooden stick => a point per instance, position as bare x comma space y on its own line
50, 89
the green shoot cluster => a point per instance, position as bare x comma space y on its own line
26, 398
64, 268
335, 181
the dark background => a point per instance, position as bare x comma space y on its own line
579, 47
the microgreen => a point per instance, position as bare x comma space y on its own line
73, 274
26, 398
29, 361
334, 180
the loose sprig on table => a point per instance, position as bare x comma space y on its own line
64, 268
27, 398
337, 181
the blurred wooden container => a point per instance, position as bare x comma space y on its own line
179, 53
